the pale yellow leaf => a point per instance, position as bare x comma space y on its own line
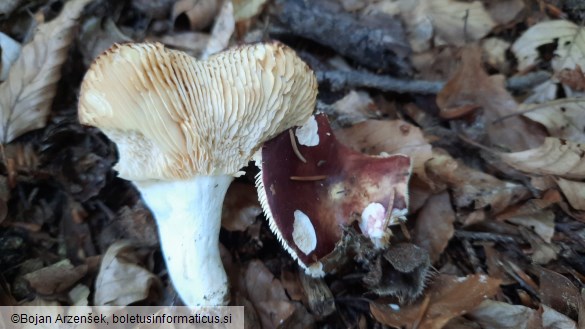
26, 96
554, 157
246, 9
121, 281
574, 192
563, 118
569, 38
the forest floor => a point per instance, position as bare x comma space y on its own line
486, 97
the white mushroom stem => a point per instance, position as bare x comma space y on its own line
188, 215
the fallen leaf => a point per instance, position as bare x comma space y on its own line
121, 280
246, 9
193, 43
222, 30
55, 278
448, 21
9, 52
267, 295
542, 252
533, 214
353, 108
491, 314
568, 37
27, 94
558, 292
391, 137
574, 192
552, 319
554, 157
471, 89
434, 225
449, 297
504, 12
474, 188
240, 207
563, 118
199, 13
79, 295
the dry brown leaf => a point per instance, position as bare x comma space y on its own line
450, 297
533, 214
27, 94
434, 225
240, 207
499, 315
472, 89
554, 157
574, 192
474, 188
558, 292
222, 30
121, 281
55, 278
200, 13
267, 295
568, 37
448, 21
392, 137
563, 118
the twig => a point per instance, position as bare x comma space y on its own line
349, 79
472, 256
485, 236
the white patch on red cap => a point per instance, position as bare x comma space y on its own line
303, 234
308, 134
372, 221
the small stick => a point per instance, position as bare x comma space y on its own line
308, 178
295, 147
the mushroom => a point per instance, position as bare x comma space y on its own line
184, 128
311, 186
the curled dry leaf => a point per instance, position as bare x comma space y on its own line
533, 214
448, 21
472, 89
222, 30
574, 192
558, 292
200, 13
121, 280
193, 43
563, 118
474, 188
392, 137
55, 278
352, 108
574, 79
25, 97
449, 297
434, 225
494, 50
554, 157
568, 37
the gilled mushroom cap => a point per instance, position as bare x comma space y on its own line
174, 117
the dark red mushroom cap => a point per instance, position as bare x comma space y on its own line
311, 186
